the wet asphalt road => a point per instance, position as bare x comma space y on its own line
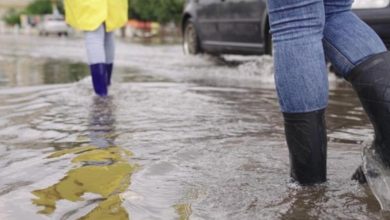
180, 137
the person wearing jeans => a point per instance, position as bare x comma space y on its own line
305, 34
98, 19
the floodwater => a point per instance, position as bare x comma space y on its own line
179, 138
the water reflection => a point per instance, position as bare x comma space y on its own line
306, 204
55, 71
100, 168
102, 122
26, 71
206, 130
184, 211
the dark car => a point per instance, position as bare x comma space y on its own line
378, 16
241, 26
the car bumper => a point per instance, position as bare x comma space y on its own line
379, 20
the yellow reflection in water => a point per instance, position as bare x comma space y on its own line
102, 171
184, 211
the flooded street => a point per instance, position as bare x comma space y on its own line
180, 137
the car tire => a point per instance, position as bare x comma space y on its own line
191, 43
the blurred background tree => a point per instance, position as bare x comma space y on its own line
162, 11
170, 10
36, 7
12, 17
41, 7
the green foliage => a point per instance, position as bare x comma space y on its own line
170, 10
12, 17
37, 7
60, 6
144, 9
41, 7
156, 10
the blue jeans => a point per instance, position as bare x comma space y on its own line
305, 33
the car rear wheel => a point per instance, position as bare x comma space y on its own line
191, 39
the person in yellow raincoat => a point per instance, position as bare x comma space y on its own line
98, 19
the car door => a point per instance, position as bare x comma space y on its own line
207, 19
240, 23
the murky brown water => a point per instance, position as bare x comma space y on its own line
179, 138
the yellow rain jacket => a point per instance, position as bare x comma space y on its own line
88, 15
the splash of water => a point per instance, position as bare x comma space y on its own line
378, 177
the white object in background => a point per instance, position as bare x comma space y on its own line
53, 24
366, 4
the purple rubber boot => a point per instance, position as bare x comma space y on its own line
99, 78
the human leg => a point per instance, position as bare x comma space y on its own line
359, 55
302, 83
348, 41
94, 41
371, 81
109, 45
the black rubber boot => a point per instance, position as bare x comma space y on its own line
371, 81
307, 143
